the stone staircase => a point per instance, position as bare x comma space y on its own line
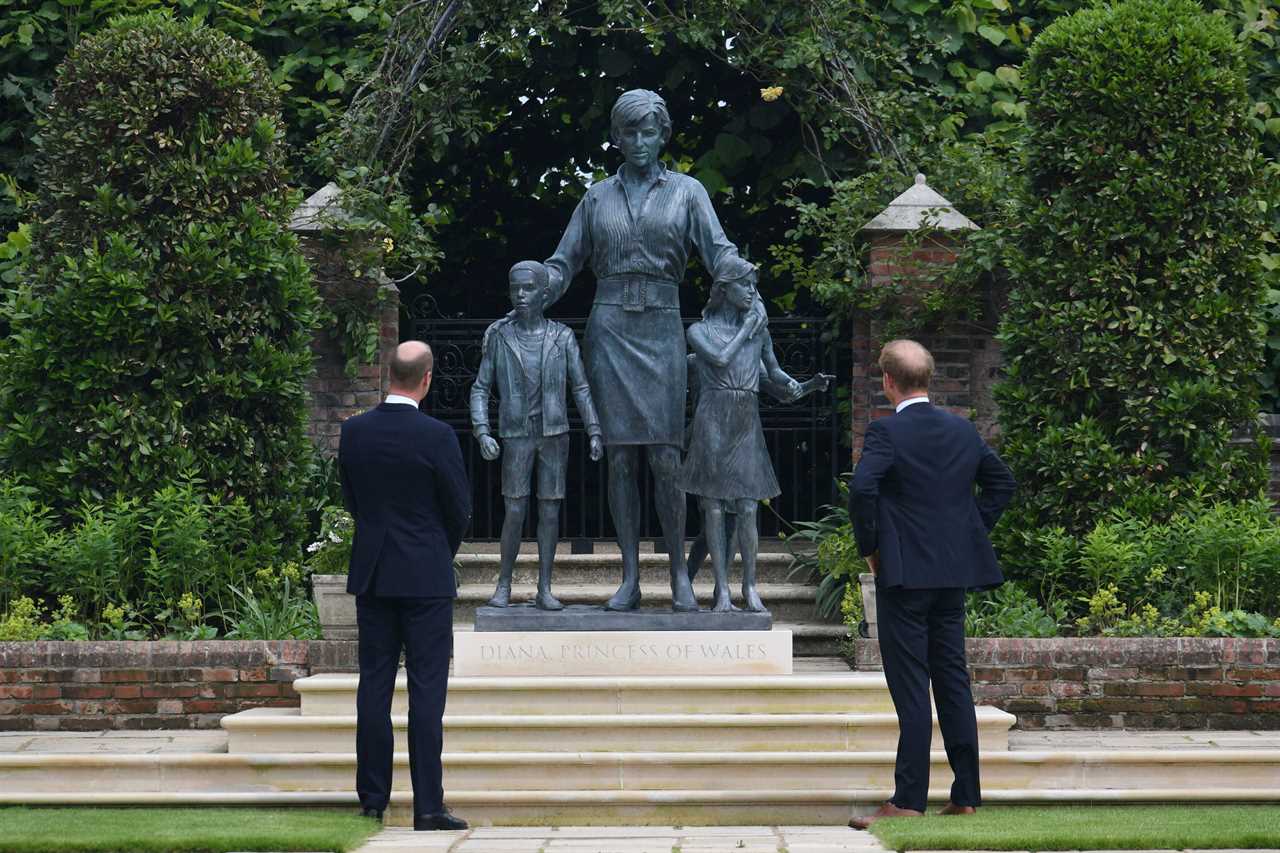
592, 578
807, 748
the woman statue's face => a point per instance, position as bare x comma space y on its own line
641, 143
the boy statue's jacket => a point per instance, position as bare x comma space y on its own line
502, 363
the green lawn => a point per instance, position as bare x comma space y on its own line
158, 830
1088, 828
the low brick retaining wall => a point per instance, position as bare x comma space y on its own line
51, 686
1058, 684
1099, 683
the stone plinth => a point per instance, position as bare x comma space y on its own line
558, 653
593, 617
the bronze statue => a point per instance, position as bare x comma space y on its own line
531, 360
634, 230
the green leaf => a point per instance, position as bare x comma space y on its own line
25, 32
1009, 76
992, 34
1273, 126
358, 13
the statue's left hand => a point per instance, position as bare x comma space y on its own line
597, 448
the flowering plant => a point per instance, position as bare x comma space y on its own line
330, 554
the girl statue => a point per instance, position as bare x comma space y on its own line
728, 465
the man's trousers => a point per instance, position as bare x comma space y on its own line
423, 629
921, 635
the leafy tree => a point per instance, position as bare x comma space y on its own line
163, 331
1133, 332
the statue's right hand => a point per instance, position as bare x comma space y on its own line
489, 447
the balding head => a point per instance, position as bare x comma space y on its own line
410, 367
909, 365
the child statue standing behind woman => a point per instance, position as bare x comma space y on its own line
728, 464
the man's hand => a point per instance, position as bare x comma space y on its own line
489, 447
873, 563
597, 448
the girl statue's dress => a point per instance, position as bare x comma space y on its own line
727, 457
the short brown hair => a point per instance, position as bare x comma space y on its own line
909, 363
408, 369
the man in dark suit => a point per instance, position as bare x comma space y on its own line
405, 485
924, 533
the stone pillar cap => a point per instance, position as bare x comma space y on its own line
919, 207
321, 211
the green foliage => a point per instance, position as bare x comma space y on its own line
1009, 611
25, 528
828, 553
163, 330
311, 46
330, 554
128, 568
274, 614
1132, 335
1130, 574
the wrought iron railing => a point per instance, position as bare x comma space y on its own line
803, 437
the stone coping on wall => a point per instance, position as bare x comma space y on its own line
1085, 683
1135, 683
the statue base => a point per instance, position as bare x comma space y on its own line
621, 652
593, 617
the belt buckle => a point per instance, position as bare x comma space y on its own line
633, 295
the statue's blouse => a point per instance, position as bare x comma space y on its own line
647, 235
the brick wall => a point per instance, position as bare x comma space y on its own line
51, 686
1100, 683
1091, 683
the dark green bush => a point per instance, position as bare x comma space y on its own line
1134, 329
162, 331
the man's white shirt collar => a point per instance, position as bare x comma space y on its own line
397, 399
911, 402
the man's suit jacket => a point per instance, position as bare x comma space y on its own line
912, 499
405, 485
502, 365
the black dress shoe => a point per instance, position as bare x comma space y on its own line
439, 820
376, 814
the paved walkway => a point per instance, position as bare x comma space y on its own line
625, 839
647, 839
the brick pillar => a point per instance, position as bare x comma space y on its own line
335, 394
914, 241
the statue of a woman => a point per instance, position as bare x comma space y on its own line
634, 230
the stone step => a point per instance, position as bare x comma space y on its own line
793, 603
334, 694
564, 788
606, 568
285, 730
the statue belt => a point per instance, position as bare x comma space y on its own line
637, 292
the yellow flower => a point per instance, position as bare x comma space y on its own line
388, 244
771, 94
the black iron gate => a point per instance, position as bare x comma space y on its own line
803, 437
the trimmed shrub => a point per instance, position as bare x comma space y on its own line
1134, 329
162, 331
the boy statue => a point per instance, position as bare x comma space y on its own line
531, 359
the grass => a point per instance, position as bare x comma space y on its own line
159, 830
1169, 827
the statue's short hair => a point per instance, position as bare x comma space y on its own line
408, 368
539, 270
909, 363
635, 106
